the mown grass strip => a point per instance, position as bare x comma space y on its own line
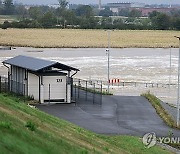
160, 110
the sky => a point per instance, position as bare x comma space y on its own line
96, 1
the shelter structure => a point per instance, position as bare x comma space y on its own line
44, 80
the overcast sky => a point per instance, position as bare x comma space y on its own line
96, 1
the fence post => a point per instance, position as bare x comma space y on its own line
49, 93
0, 84
79, 81
8, 81
101, 93
94, 86
24, 93
5, 84
86, 90
75, 95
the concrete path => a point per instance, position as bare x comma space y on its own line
122, 115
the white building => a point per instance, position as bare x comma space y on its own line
45, 81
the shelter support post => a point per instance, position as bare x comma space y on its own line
69, 88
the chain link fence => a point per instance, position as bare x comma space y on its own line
11, 86
4, 84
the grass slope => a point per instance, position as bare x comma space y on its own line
53, 135
77, 38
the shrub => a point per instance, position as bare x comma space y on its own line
30, 125
4, 124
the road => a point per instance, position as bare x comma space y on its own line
118, 115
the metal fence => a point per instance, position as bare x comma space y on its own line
4, 84
84, 91
11, 86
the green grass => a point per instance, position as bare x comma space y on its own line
53, 135
160, 110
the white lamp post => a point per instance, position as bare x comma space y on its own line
178, 92
108, 54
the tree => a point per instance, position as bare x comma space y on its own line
63, 4
21, 11
106, 12
176, 23
160, 21
35, 13
135, 13
48, 20
124, 12
8, 7
84, 11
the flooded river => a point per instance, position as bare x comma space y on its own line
139, 65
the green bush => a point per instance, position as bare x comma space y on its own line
4, 124
30, 125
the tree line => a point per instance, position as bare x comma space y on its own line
85, 17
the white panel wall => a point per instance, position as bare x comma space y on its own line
33, 86
57, 87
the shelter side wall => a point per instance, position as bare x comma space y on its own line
17, 74
33, 86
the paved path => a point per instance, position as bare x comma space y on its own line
123, 115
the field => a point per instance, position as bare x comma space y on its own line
68, 38
7, 18
27, 130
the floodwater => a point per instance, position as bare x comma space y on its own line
134, 64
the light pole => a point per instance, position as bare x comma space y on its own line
108, 54
178, 93
170, 66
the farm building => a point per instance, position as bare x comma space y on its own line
45, 81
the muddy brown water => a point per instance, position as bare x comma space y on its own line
134, 64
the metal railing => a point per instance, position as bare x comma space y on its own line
84, 91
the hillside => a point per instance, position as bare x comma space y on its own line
28, 130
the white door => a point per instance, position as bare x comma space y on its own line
54, 88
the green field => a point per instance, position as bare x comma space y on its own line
78, 38
28, 130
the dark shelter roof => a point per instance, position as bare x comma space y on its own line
35, 64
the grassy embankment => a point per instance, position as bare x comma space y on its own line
69, 38
27, 130
162, 113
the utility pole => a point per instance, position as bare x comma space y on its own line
100, 4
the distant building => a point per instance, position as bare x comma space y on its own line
146, 11
116, 7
